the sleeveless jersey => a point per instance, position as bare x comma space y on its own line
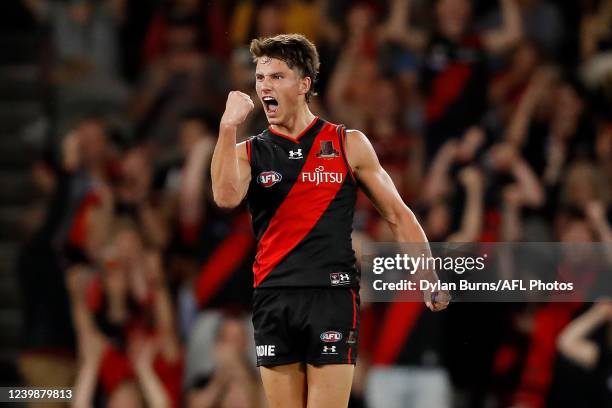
302, 200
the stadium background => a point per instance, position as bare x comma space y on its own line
111, 248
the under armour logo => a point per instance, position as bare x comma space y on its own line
297, 154
329, 349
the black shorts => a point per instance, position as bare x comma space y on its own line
310, 325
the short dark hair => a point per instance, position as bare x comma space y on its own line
295, 50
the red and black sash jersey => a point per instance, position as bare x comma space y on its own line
302, 200
454, 79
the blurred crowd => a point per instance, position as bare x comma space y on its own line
494, 119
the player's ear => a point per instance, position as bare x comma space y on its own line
305, 84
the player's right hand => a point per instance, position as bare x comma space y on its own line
237, 108
438, 300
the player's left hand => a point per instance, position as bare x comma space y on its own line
437, 300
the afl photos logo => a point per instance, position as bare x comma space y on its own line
268, 178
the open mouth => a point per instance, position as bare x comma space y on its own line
270, 104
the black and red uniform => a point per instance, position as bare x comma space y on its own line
454, 78
302, 199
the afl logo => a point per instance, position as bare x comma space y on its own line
331, 336
269, 178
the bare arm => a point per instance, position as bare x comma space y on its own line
573, 342
142, 353
511, 31
528, 184
512, 224
518, 125
382, 192
230, 169
154, 391
90, 342
342, 109
471, 223
163, 311
193, 183
555, 161
210, 396
329, 29
596, 215
437, 183
87, 375
506, 159
398, 29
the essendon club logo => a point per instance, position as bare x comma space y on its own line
327, 150
331, 336
268, 178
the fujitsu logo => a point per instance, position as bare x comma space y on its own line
321, 176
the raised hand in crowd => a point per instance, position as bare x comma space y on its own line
574, 342
504, 158
473, 214
91, 342
142, 352
595, 212
539, 87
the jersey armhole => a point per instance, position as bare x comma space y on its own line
342, 141
248, 149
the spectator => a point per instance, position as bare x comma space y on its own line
176, 83
84, 37
491, 118
209, 22
453, 72
233, 382
125, 329
588, 352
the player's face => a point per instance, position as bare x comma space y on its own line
279, 88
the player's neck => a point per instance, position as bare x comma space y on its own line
296, 124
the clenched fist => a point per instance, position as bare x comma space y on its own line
237, 108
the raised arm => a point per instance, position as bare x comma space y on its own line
573, 342
518, 126
596, 215
91, 343
379, 187
437, 183
506, 159
230, 170
510, 32
397, 27
343, 110
142, 353
193, 183
471, 221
